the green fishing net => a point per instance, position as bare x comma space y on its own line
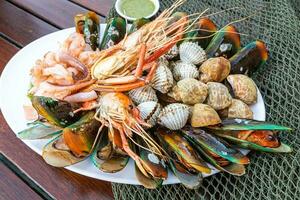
269, 176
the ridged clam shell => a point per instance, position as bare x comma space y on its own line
174, 116
189, 91
163, 61
243, 87
149, 111
218, 96
191, 53
163, 79
214, 69
142, 94
239, 109
172, 53
184, 70
204, 115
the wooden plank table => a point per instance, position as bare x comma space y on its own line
23, 173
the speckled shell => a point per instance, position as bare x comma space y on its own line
192, 53
218, 96
204, 115
243, 88
184, 70
149, 111
142, 94
172, 53
163, 61
174, 116
214, 69
189, 91
239, 109
163, 79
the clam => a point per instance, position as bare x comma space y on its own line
184, 70
163, 61
218, 96
163, 79
214, 69
191, 52
239, 109
149, 111
189, 91
142, 94
243, 88
204, 115
172, 53
174, 116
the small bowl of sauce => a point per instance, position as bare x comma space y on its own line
136, 9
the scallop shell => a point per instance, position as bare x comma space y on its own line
239, 109
142, 94
214, 69
189, 91
174, 116
184, 70
149, 111
204, 115
172, 53
218, 96
163, 79
191, 53
243, 88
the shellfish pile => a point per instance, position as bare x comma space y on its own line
194, 110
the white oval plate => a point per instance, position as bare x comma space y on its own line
14, 84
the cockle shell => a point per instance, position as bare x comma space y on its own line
239, 109
163, 61
163, 79
218, 96
243, 88
191, 52
184, 70
172, 53
142, 94
204, 115
214, 69
174, 116
149, 111
189, 91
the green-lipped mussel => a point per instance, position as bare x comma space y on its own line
137, 24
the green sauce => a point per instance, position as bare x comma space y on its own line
137, 8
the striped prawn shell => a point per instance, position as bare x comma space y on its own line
183, 70
191, 52
163, 79
174, 116
142, 94
149, 111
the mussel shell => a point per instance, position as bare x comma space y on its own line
189, 91
184, 70
191, 52
243, 88
206, 29
162, 79
39, 131
149, 111
247, 124
57, 154
137, 24
204, 115
114, 32
218, 96
249, 58
226, 43
142, 94
214, 69
174, 116
147, 182
57, 112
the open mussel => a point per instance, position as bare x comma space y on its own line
249, 58
206, 29
137, 24
88, 25
56, 112
226, 42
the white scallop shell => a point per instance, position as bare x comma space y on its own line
183, 70
163, 79
174, 116
142, 94
172, 53
191, 53
149, 111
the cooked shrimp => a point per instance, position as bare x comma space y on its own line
74, 44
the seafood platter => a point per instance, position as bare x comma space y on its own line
168, 100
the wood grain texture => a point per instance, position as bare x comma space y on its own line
21, 26
11, 187
6, 51
101, 7
57, 12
